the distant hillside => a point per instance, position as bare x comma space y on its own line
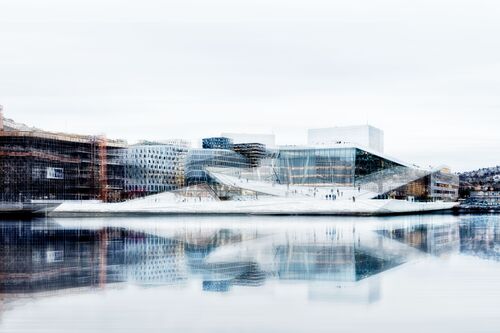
485, 179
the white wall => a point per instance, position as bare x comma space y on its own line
363, 135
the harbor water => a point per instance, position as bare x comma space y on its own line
415, 273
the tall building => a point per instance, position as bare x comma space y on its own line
152, 167
365, 135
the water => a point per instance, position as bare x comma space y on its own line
430, 273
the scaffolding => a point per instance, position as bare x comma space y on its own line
41, 165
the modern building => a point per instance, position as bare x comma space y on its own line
217, 143
254, 152
41, 165
340, 163
336, 165
365, 136
153, 167
198, 160
353, 166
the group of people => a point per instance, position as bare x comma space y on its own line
334, 196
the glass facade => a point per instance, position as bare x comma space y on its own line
434, 186
367, 163
199, 159
327, 166
312, 167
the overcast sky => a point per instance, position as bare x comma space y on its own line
425, 71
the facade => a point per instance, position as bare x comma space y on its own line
334, 167
352, 166
199, 159
327, 166
254, 152
39, 165
152, 167
444, 185
438, 185
217, 143
366, 136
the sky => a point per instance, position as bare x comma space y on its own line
427, 72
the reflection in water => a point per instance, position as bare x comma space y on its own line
44, 255
480, 236
336, 260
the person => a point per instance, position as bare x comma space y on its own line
359, 188
353, 199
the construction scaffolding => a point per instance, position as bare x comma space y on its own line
40, 165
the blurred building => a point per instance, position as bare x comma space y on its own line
153, 167
153, 260
40, 260
351, 165
41, 165
217, 143
198, 160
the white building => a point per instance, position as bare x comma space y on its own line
268, 139
152, 167
364, 135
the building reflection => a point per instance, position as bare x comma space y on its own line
336, 261
43, 259
481, 238
434, 239
151, 260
